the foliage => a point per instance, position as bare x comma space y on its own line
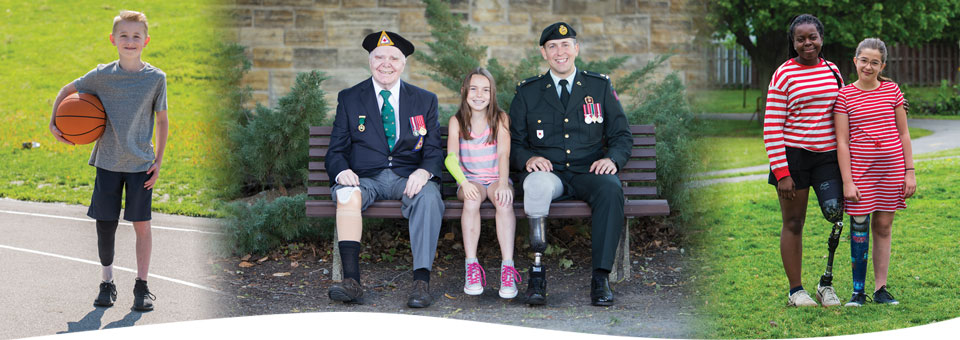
264, 225
271, 145
946, 102
37, 58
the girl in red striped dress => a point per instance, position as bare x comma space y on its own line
876, 163
801, 144
478, 156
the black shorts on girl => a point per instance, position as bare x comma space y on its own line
108, 193
809, 168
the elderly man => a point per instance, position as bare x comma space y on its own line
569, 139
385, 145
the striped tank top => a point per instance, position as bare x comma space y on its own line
478, 159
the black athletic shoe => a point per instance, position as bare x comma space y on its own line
142, 299
857, 300
108, 294
537, 287
884, 297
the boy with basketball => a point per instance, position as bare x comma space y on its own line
133, 94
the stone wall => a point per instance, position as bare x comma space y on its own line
284, 37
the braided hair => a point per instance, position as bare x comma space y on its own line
809, 19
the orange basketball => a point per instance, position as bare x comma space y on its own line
81, 118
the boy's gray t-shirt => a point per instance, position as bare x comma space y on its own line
130, 99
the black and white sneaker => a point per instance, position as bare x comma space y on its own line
883, 296
108, 294
858, 300
142, 299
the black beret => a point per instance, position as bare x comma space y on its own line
386, 38
560, 30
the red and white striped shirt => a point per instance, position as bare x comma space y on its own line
799, 111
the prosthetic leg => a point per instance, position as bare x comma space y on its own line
539, 189
537, 285
829, 195
859, 249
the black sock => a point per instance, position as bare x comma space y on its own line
421, 274
106, 236
350, 258
600, 272
796, 289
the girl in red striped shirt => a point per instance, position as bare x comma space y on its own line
876, 162
801, 144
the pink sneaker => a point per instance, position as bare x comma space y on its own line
475, 279
508, 280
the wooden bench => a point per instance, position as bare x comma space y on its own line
638, 177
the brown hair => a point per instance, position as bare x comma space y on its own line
874, 44
131, 16
494, 114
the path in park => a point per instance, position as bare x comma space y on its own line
51, 271
946, 135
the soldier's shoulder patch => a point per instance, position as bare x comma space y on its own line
597, 75
528, 81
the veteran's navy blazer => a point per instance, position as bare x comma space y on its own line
366, 152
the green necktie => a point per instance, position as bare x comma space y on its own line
386, 113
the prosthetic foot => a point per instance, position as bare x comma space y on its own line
537, 285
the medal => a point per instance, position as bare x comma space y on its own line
360, 127
417, 126
423, 131
588, 116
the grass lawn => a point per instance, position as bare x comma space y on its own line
724, 101
47, 44
731, 144
742, 287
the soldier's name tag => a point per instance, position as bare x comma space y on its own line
539, 134
418, 126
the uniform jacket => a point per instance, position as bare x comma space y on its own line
539, 126
366, 152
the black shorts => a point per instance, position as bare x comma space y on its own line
809, 168
108, 192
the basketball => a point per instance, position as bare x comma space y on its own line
81, 118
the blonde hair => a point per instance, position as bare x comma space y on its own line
132, 16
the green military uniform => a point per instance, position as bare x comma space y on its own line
593, 126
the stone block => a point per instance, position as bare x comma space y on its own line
413, 21
261, 37
249, 2
314, 58
591, 26
353, 57
360, 3
519, 18
305, 37
260, 97
272, 57
288, 3
347, 28
309, 18
627, 25
327, 3
489, 11
541, 21
280, 83
630, 44
240, 17
258, 80
584, 7
530, 6
501, 30
402, 4
272, 18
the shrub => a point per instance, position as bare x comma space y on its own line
264, 225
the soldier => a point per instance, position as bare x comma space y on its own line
569, 138
385, 145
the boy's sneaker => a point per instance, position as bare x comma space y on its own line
509, 277
801, 299
108, 294
827, 296
857, 300
883, 296
475, 279
142, 299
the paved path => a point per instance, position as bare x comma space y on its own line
946, 135
50, 270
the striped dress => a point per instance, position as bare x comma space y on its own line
478, 159
799, 112
876, 154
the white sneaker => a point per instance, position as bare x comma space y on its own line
827, 296
508, 281
801, 299
475, 279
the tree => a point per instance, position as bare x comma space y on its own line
761, 26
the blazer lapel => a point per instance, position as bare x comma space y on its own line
408, 107
550, 93
373, 122
577, 95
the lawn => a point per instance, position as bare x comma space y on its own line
47, 44
742, 287
732, 100
731, 144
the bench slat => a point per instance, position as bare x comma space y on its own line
453, 210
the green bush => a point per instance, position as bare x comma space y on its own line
945, 103
264, 225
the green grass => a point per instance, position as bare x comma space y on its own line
742, 287
731, 144
724, 101
47, 44
939, 154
